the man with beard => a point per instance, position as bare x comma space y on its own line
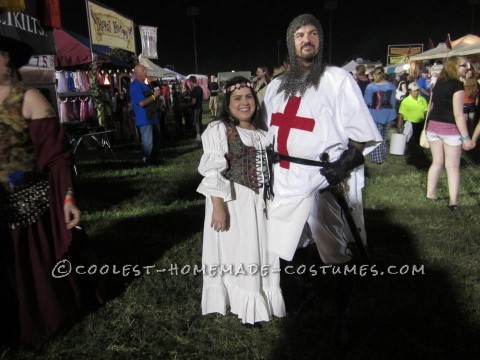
314, 110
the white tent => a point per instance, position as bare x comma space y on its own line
466, 45
351, 66
395, 68
469, 42
439, 52
468, 50
155, 70
465, 41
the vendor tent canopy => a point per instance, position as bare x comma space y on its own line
466, 45
157, 71
436, 53
351, 66
458, 47
468, 50
465, 41
74, 49
227, 75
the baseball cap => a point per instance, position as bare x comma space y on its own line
425, 71
413, 86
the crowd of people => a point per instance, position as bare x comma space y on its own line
445, 103
277, 159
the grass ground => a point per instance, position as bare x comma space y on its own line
153, 216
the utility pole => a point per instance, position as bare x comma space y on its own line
330, 5
473, 3
278, 51
193, 11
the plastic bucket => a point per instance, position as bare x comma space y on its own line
397, 144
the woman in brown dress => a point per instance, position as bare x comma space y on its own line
37, 210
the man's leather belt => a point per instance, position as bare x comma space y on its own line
300, 160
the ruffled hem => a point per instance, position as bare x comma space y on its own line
248, 306
275, 301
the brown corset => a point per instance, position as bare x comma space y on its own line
243, 161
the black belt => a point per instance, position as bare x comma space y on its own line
301, 161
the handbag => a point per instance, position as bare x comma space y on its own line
423, 137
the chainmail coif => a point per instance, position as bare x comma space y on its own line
299, 78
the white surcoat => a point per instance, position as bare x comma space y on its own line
322, 120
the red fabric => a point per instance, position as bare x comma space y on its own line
52, 14
448, 43
53, 155
70, 51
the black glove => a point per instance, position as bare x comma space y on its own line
339, 170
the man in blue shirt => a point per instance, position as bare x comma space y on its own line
423, 84
147, 122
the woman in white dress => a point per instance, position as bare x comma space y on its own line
239, 271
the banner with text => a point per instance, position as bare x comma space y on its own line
148, 34
401, 53
109, 28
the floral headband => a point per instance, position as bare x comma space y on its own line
238, 86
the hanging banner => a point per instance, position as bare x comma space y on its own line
148, 34
109, 28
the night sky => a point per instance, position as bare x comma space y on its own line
241, 35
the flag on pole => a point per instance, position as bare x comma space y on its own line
448, 43
431, 45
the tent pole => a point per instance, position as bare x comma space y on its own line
89, 31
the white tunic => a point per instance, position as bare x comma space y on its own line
253, 296
321, 121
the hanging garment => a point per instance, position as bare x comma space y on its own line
84, 108
75, 108
70, 83
61, 82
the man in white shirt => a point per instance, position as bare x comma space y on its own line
312, 110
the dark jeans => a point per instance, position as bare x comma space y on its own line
417, 130
163, 125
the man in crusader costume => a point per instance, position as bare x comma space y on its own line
322, 129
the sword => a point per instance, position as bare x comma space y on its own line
341, 195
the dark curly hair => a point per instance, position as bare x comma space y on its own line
225, 114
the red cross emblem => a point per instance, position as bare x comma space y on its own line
287, 121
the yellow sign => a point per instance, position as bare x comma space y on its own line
405, 50
396, 59
110, 29
401, 53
